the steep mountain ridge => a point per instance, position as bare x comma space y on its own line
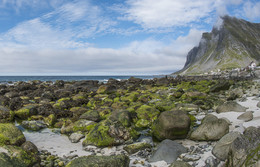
234, 44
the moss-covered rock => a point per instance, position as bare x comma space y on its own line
50, 120
83, 125
26, 112
135, 147
123, 116
78, 111
146, 114
106, 89
91, 115
63, 103
100, 161
9, 134
6, 115
99, 136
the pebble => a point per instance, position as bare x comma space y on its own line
188, 157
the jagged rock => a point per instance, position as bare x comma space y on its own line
247, 116
211, 128
100, 161
168, 151
222, 147
221, 48
171, 125
244, 150
230, 106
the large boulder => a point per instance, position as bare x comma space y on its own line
6, 115
222, 147
9, 134
168, 151
230, 106
244, 150
211, 128
171, 125
100, 161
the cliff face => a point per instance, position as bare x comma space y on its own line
235, 44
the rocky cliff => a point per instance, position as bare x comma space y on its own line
233, 44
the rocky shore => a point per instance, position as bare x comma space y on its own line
155, 123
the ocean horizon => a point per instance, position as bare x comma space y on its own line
7, 79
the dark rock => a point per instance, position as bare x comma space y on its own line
15, 103
171, 125
29, 147
211, 162
6, 115
220, 86
26, 112
168, 151
91, 115
100, 161
180, 164
123, 116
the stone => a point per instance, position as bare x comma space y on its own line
211, 129
171, 125
106, 89
168, 151
180, 164
135, 147
123, 116
34, 125
220, 86
222, 147
6, 115
258, 104
188, 157
211, 162
100, 161
10, 134
91, 115
29, 147
244, 150
75, 137
247, 116
230, 106
26, 112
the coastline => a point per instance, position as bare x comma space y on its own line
121, 110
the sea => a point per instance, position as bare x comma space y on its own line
10, 79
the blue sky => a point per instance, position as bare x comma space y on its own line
107, 37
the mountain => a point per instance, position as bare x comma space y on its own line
233, 44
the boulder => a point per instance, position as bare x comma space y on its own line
100, 161
247, 116
78, 111
29, 147
9, 134
168, 151
123, 116
106, 89
34, 125
244, 150
171, 125
211, 128
180, 164
230, 106
222, 147
6, 115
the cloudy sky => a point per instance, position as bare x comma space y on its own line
107, 37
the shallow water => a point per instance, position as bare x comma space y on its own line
55, 143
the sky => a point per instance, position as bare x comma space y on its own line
107, 37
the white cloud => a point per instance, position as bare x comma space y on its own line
147, 56
167, 13
252, 10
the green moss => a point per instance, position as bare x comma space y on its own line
193, 120
50, 120
9, 134
104, 113
146, 115
23, 113
98, 136
63, 99
142, 123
